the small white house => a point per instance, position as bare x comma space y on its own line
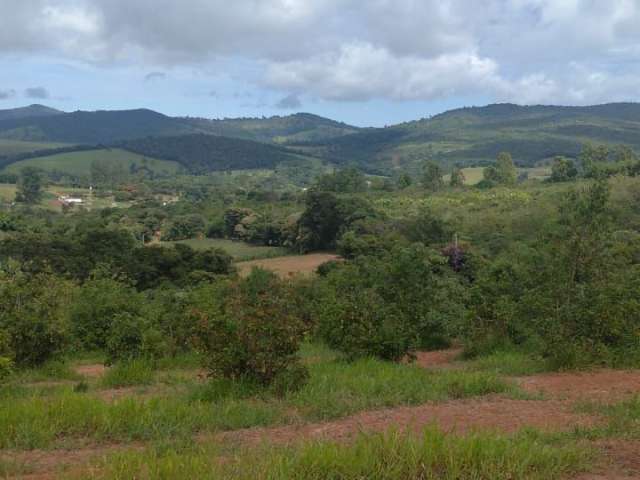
67, 200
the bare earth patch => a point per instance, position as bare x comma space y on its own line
287, 267
621, 461
599, 385
460, 416
438, 358
91, 371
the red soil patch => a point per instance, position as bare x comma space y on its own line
599, 385
461, 416
46, 464
438, 358
287, 267
91, 371
621, 461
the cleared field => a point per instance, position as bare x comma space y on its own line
238, 250
79, 163
474, 175
289, 266
7, 192
11, 147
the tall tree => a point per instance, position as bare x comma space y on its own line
432, 176
457, 178
506, 170
563, 170
29, 186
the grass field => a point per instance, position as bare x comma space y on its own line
7, 192
11, 147
473, 175
79, 163
353, 420
288, 266
240, 251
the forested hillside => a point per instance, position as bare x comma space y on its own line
201, 153
30, 111
288, 129
466, 136
476, 135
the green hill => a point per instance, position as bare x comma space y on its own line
28, 112
200, 153
109, 127
13, 147
79, 163
476, 135
102, 127
299, 127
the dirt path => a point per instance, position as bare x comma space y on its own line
598, 385
494, 413
554, 412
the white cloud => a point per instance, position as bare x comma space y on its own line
530, 51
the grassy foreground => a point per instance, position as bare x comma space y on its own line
173, 402
390, 456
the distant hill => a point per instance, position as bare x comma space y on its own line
299, 127
28, 112
476, 135
467, 136
101, 127
109, 127
200, 153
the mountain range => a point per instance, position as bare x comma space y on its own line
467, 136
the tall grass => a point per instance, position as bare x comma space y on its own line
37, 422
126, 374
510, 363
337, 389
389, 456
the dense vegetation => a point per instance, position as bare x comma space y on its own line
523, 275
201, 153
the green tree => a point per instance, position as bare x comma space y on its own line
593, 158
457, 178
34, 315
505, 169
248, 330
432, 176
404, 181
30, 186
563, 170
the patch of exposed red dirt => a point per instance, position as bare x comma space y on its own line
438, 358
91, 371
46, 464
620, 461
599, 385
460, 416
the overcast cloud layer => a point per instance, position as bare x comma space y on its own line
292, 53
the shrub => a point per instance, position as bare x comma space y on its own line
388, 306
6, 357
249, 331
34, 315
98, 301
133, 336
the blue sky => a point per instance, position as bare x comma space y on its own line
367, 63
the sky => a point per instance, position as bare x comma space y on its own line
364, 62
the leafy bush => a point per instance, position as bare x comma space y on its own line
133, 336
6, 357
248, 331
34, 314
572, 297
99, 300
388, 306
